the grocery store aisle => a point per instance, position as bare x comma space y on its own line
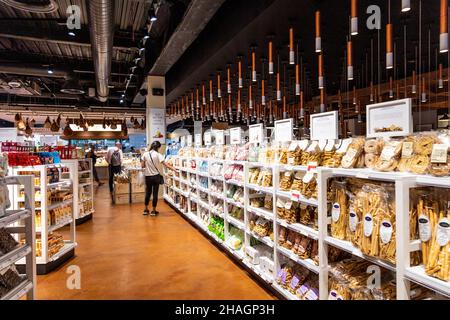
124, 255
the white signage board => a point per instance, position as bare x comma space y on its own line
183, 141
284, 130
189, 141
324, 126
390, 119
208, 141
235, 136
220, 137
158, 125
256, 133
198, 139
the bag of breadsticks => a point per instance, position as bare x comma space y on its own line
374, 208
387, 231
339, 211
355, 216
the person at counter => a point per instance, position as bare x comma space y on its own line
90, 154
114, 158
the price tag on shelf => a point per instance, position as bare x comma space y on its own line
312, 167
208, 140
256, 133
295, 196
189, 141
284, 130
324, 126
235, 135
198, 140
407, 149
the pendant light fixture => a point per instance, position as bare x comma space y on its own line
229, 79
211, 98
253, 65
239, 103
355, 98
219, 91
406, 5
322, 100
443, 37
354, 18
389, 52
441, 80
414, 82
318, 36
250, 97
203, 94
297, 80
302, 109
270, 57
291, 46
263, 92
424, 92
349, 60
321, 80
240, 82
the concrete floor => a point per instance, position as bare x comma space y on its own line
124, 255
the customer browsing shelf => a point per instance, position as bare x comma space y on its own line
114, 157
152, 163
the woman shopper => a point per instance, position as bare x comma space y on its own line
152, 163
91, 155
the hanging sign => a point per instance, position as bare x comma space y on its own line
198, 140
189, 141
256, 133
390, 119
235, 136
324, 126
220, 137
284, 130
208, 139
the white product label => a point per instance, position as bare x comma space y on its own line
303, 144
336, 212
308, 177
293, 146
291, 161
344, 145
322, 144
330, 145
439, 154
351, 154
407, 149
368, 225
388, 153
288, 205
220, 138
386, 231
443, 232
424, 228
332, 295
353, 220
313, 146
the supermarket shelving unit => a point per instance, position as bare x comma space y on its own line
46, 262
404, 273
83, 188
21, 223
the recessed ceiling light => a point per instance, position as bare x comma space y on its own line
71, 33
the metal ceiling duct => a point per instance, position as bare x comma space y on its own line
43, 6
101, 29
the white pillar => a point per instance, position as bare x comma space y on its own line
156, 110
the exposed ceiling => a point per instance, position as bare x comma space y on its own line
43, 41
239, 25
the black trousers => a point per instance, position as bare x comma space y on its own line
112, 171
151, 188
94, 173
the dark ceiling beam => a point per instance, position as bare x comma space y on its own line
58, 35
197, 16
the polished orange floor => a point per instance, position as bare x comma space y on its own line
124, 255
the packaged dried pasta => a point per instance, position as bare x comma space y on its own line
297, 183
331, 158
290, 211
267, 178
280, 208
309, 186
387, 230
253, 175
440, 160
353, 153
424, 142
257, 202
339, 214
294, 156
268, 202
373, 146
312, 154
286, 180
388, 160
253, 153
